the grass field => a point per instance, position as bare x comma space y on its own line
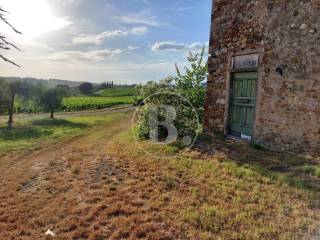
31, 134
117, 92
88, 179
85, 103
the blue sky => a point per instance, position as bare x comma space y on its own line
127, 41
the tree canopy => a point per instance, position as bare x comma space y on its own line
51, 99
86, 88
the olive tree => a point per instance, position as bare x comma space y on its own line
51, 100
13, 89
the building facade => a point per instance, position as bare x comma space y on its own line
264, 73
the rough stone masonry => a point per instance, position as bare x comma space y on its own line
285, 36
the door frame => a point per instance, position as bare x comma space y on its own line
228, 76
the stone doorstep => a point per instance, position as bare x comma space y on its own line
238, 139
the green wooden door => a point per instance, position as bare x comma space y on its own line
242, 103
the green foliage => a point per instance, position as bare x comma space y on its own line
31, 98
187, 96
29, 105
84, 103
23, 95
312, 170
51, 99
86, 88
185, 121
14, 89
190, 84
63, 90
151, 88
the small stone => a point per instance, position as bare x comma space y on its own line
303, 26
313, 30
50, 233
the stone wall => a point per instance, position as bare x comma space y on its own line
286, 34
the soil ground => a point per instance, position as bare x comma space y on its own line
99, 186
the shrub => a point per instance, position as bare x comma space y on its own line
185, 93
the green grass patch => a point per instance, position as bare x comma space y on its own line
30, 134
117, 92
312, 170
87, 103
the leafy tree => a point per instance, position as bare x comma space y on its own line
13, 89
65, 90
151, 87
4, 43
86, 88
51, 99
190, 83
30, 103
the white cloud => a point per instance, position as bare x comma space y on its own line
159, 46
143, 17
139, 30
99, 38
196, 45
171, 45
66, 3
179, 9
135, 20
89, 56
132, 48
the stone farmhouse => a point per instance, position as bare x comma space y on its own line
264, 73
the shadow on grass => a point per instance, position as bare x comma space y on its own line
37, 129
297, 171
23, 133
57, 123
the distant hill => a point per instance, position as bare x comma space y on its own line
49, 83
55, 82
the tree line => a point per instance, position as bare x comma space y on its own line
47, 99
13, 94
108, 84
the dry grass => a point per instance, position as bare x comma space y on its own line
101, 186
227, 190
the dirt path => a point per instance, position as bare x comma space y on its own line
78, 192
